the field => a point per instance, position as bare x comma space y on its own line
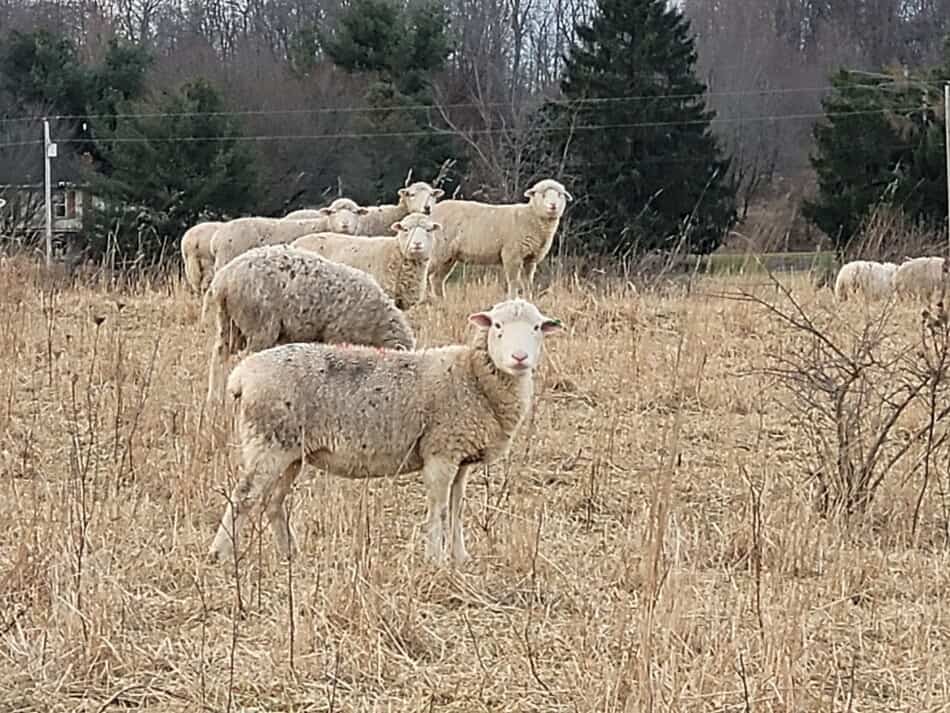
651, 544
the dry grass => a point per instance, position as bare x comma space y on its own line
651, 544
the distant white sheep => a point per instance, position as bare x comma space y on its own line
238, 236
875, 280
358, 412
277, 294
196, 254
418, 197
516, 236
398, 263
921, 277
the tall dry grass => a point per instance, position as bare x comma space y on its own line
650, 545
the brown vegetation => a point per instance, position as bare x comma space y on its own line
651, 545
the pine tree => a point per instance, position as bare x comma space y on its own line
881, 141
634, 131
182, 164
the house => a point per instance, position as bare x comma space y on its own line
24, 210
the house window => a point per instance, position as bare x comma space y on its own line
59, 205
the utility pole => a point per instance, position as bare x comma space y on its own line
49, 153
946, 128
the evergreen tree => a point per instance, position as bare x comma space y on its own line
170, 170
881, 141
634, 133
398, 49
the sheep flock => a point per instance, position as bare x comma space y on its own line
331, 374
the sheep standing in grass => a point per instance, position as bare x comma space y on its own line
516, 236
874, 280
196, 253
398, 263
921, 277
418, 197
340, 204
276, 294
359, 412
238, 236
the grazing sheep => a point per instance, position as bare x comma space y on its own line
277, 294
517, 236
238, 236
873, 279
398, 263
358, 412
920, 277
196, 253
418, 197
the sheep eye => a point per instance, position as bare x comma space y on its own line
497, 325
537, 327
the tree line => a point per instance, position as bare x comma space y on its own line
655, 115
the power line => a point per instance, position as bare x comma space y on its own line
487, 131
456, 105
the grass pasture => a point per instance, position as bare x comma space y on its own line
651, 545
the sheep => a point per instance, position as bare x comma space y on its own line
920, 277
196, 253
275, 294
238, 236
398, 263
874, 279
517, 236
340, 204
418, 197
359, 412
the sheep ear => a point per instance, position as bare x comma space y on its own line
396, 227
326, 211
528, 193
480, 319
433, 227
402, 191
438, 193
361, 210
568, 196
550, 326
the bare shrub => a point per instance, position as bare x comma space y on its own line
871, 402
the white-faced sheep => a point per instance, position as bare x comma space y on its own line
874, 280
358, 412
238, 236
517, 236
418, 197
196, 254
340, 204
398, 263
277, 294
921, 277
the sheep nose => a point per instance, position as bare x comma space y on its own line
519, 356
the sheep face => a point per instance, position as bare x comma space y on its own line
516, 331
548, 198
420, 197
344, 215
415, 233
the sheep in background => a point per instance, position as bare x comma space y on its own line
277, 294
418, 197
516, 236
398, 263
359, 412
340, 204
196, 254
874, 280
239, 236
920, 277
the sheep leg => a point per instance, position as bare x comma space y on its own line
512, 268
262, 473
530, 266
456, 502
437, 277
216, 365
438, 475
277, 511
